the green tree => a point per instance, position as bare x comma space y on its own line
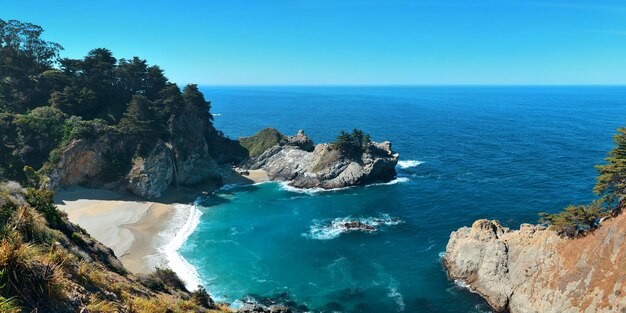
611, 181
141, 119
39, 132
352, 144
24, 55
575, 219
75, 101
194, 99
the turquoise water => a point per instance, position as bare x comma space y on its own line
499, 153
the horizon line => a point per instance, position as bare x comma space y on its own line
409, 85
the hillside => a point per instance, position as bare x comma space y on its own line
101, 121
48, 264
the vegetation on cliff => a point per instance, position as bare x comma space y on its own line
575, 220
261, 141
48, 101
352, 144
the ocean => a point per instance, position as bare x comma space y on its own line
466, 153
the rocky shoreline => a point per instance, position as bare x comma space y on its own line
297, 161
194, 158
535, 270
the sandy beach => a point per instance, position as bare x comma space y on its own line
128, 225
133, 227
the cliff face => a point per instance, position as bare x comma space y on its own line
147, 169
534, 270
303, 165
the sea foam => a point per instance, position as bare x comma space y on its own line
331, 229
409, 163
184, 223
310, 191
397, 180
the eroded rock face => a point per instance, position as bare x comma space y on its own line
114, 161
151, 175
194, 164
324, 166
534, 270
83, 162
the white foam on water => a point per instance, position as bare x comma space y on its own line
396, 296
310, 191
184, 223
331, 229
228, 187
398, 180
409, 163
463, 284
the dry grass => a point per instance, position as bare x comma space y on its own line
97, 305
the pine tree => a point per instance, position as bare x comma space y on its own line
611, 181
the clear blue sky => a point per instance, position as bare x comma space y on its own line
322, 42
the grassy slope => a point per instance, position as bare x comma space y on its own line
262, 141
50, 265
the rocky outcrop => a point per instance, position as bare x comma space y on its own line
84, 161
258, 308
113, 161
325, 167
194, 164
534, 270
150, 176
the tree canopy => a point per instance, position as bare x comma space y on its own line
611, 181
46, 101
352, 144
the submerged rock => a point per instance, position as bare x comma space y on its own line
534, 270
294, 160
356, 225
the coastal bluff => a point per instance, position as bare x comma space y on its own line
295, 160
535, 270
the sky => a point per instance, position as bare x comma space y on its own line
348, 42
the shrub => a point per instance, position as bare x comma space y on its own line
575, 219
162, 279
7, 305
43, 201
352, 144
202, 298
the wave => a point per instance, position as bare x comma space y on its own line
427, 249
409, 163
310, 191
396, 296
227, 187
331, 229
184, 223
397, 180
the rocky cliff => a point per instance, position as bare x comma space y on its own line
192, 154
534, 270
297, 161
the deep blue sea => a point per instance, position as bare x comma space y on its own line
502, 153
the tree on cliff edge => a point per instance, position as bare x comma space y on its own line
611, 181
